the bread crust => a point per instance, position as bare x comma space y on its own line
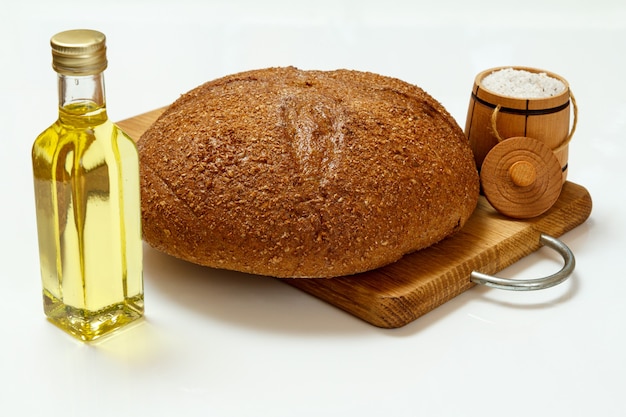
293, 173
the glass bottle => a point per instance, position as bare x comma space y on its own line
86, 177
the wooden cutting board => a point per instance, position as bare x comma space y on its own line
397, 294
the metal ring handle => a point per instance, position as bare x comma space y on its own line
536, 283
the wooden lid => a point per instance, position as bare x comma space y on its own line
521, 177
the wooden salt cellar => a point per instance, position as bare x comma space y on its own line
545, 119
521, 178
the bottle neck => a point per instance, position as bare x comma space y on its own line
82, 95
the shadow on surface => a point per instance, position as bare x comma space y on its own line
246, 300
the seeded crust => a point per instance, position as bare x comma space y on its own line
293, 173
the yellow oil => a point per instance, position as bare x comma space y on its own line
86, 175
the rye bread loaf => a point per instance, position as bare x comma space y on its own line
293, 173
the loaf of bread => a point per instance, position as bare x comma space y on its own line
309, 174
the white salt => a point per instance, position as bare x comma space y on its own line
516, 83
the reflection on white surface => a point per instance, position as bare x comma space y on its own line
226, 344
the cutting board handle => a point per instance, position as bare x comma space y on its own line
536, 283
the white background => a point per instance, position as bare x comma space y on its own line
226, 344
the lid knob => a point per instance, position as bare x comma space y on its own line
523, 173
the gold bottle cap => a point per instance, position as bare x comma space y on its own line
79, 52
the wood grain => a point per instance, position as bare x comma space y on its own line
397, 294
